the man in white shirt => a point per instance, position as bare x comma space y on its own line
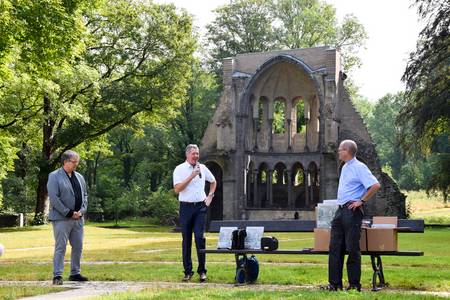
189, 183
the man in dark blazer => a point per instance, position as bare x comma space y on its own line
68, 203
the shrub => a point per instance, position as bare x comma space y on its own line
162, 206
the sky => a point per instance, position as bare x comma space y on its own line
392, 28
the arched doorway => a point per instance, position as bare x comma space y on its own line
215, 211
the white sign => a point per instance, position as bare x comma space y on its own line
225, 237
253, 239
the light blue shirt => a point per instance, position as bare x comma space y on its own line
354, 182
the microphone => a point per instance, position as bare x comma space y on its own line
198, 166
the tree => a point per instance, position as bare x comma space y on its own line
427, 104
134, 58
255, 25
386, 133
239, 27
426, 75
189, 126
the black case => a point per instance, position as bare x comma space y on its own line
269, 243
238, 241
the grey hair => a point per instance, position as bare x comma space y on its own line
190, 147
350, 146
68, 155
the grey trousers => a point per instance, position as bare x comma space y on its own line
63, 231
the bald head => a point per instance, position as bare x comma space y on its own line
350, 146
347, 150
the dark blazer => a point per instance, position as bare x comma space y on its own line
62, 196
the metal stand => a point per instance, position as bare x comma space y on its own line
377, 267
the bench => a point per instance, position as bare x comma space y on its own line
378, 278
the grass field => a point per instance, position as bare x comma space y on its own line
145, 253
148, 253
431, 207
18, 291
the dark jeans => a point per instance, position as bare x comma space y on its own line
192, 218
345, 235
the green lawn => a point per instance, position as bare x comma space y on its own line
239, 293
18, 291
154, 254
431, 208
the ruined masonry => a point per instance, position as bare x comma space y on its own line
272, 143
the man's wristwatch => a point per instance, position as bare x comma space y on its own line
211, 195
363, 201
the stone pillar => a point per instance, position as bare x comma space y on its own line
270, 188
256, 202
306, 181
289, 135
311, 190
255, 133
289, 182
307, 116
270, 135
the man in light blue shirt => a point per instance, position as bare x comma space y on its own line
356, 186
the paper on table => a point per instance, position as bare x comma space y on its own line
253, 239
225, 237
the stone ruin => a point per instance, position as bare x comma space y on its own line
272, 142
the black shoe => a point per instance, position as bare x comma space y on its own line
57, 280
187, 277
354, 287
202, 277
77, 277
331, 288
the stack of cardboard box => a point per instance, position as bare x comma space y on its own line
382, 236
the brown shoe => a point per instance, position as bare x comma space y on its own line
202, 277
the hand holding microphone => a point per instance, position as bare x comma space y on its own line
196, 171
197, 168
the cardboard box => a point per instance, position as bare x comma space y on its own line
385, 220
381, 239
322, 239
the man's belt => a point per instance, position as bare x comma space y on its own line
345, 205
192, 203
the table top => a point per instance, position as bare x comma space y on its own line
306, 251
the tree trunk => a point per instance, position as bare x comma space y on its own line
45, 165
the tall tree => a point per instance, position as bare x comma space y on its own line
427, 106
254, 25
239, 27
387, 133
427, 74
134, 59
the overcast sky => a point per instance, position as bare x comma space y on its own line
392, 27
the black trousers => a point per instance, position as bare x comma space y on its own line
345, 235
192, 219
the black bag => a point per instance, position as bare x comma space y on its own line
269, 243
238, 241
247, 270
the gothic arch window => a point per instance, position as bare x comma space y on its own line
279, 116
300, 116
280, 185
263, 176
298, 177
314, 183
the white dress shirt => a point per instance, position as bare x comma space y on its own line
195, 190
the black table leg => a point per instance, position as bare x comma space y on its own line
377, 266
